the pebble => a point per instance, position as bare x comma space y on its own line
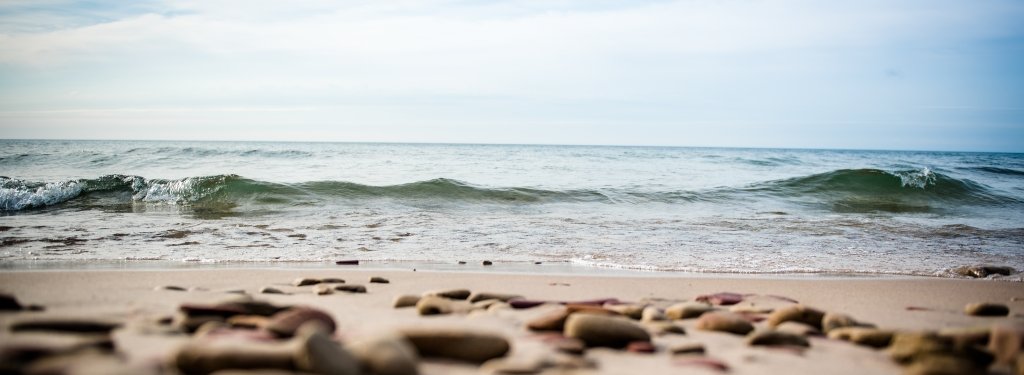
9, 303
347, 262
600, 330
687, 348
170, 287
833, 320
632, 311
652, 314
459, 294
323, 289
721, 299
723, 321
319, 354
641, 347
270, 290
798, 328
776, 338
287, 323
433, 305
332, 280
487, 263
555, 320
204, 357
457, 344
524, 304
65, 324
1005, 341
687, 310
796, 313
986, 309
503, 297
405, 301
462, 262
866, 336
386, 355
379, 280
350, 288
303, 281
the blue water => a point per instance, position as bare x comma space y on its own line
655, 208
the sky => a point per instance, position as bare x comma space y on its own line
866, 74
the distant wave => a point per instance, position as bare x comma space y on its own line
998, 170
846, 190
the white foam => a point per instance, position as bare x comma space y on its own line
21, 197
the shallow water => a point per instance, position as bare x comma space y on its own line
651, 208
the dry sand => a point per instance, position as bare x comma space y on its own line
129, 295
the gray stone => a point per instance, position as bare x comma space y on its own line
350, 288
723, 321
379, 280
687, 310
270, 290
597, 330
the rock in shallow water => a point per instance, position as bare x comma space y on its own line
986, 309
598, 330
983, 270
722, 321
457, 344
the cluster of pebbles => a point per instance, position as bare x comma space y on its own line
244, 335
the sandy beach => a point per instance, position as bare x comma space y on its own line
140, 303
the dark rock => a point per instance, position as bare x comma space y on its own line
434, 305
287, 323
986, 309
776, 338
223, 310
379, 280
687, 310
319, 354
9, 303
256, 307
487, 263
270, 290
964, 336
796, 313
866, 336
598, 330
503, 297
687, 348
462, 262
204, 357
524, 304
405, 301
983, 270
457, 344
190, 323
332, 280
386, 355
350, 288
64, 324
171, 288
722, 321
721, 299
347, 262
304, 281
459, 294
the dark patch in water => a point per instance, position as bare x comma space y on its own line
186, 243
174, 233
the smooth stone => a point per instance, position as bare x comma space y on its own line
221, 309
652, 314
288, 322
599, 330
9, 303
555, 320
332, 280
459, 294
866, 336
687, 310
304, 281
487, 263
256, 307
462, 262
721, 299
986, 309
798, 328
723, 321
776, 338
171, 288
518, 364
503, 297
204, 357
796, 313
457, 344
433, 305
943, 364
907, 347
833, 320
64, 324
641, 347
687, 348
983, 270
664, 328
350, 288
379, 280
323, 289
405, 301
524, 304
270, 290
248, 321
634, 312
319, 354
1005, 341
386, 355
347, 262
